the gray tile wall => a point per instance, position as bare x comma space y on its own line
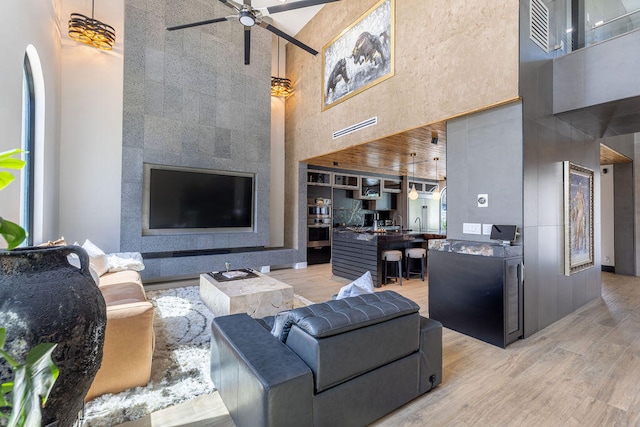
190, 101
484, 156
549, 295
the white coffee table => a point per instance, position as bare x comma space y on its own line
258, 296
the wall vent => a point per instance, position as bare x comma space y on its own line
539, 24
353, 128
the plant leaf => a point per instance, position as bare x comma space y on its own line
11, 163
32, 384
6, 178
12, 233
3, 337
9, 153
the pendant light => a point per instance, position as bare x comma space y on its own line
280, 86
413, 194
436, 192
91, 31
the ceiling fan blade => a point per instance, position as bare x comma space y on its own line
247, 45
297, 5
197, 24
287, 37
231, 4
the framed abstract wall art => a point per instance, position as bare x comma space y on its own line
578, 218
361, 56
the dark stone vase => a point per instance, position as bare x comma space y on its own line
45, 299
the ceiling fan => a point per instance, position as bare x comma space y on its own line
250, 16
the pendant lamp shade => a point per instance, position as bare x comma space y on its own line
280, 86
91, 31
413, 194
436, 192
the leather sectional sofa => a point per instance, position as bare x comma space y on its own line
129, 337
344, 362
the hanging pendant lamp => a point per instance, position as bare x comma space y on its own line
413, 194
436, 192
280, 86
91, 31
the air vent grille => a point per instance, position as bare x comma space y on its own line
353, 128
539, 24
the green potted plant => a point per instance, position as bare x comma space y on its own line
12, 232
31, 385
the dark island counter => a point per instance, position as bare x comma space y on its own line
353, 253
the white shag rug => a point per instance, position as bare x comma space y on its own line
180, 366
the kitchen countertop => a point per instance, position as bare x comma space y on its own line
488, 249
387, 236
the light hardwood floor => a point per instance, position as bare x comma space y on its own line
583, 370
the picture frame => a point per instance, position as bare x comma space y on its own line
578, 218
361, 56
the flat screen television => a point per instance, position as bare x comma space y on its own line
188, 200
504, 233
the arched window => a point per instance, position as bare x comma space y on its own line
28, 145
32, 203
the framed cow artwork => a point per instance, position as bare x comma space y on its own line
361, 56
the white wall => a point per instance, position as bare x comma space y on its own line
91, 132
24, 23
606, 212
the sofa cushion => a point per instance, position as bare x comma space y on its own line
338, 316
120, 277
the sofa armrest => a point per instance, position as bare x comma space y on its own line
430, 354
261, 381
128, 349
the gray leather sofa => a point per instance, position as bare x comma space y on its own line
340, 363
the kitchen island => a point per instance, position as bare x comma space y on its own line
355, 253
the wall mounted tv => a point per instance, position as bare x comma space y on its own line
188, 200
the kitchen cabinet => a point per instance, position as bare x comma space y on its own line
391, 185
370, 188
315, 177
347, 182
422, 187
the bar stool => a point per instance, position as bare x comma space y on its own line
392, 256
415, 253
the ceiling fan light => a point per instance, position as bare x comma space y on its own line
247, 19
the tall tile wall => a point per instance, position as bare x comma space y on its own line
190, 101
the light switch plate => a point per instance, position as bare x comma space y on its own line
486, 229
471, 228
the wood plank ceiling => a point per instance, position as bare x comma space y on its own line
609, 156
392, 154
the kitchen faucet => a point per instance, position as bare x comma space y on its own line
394, 220
419, 221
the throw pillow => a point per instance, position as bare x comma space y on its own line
279, 323
125, 261
362, 285
97, 257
